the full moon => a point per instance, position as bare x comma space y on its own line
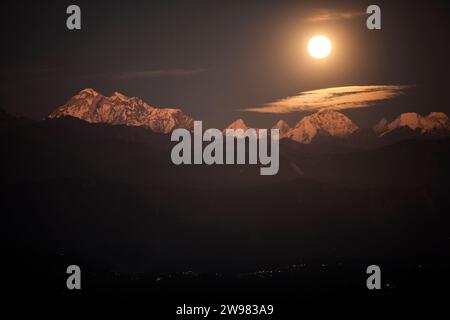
319, 47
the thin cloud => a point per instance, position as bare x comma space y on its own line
326, 15
160, 73
338, 98
24, 71
13, 77
145, 74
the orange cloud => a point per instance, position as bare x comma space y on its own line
326, 15
332, 98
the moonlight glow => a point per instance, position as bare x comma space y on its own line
319, 47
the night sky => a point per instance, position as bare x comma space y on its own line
212, 58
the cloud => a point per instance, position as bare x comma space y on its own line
332, 98
326, 15
149, 74
160, 73
25, 71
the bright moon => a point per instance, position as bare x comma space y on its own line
319, 47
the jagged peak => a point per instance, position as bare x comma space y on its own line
381, 126
120, 109
326, 110
326, 121
119, 95
238, 124
281, 124
382, 121
409, 116
437, 115
413, 120
173, 109
89, 91
283, 127
409, 119
323, 115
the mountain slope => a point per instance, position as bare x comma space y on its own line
435, 121
238, 124
93, 107
65, 178
324, 122
283, 128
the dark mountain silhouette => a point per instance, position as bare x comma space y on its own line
110, 197
68, 147
4, 115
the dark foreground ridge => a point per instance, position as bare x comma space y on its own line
108, 199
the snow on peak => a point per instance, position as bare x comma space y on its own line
414, 121
438, 117
119, 96
88, 91
238, 124
409, 119
326, 122
119, 109
282, 127
381, 126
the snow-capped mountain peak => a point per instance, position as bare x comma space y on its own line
87, 92
118, 109
325, 122
238, 124
439, 120
119, 95
283, 127
409, 119
432, 122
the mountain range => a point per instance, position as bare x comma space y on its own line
330, 123
111, 194
118, 109
435, 121
94, 107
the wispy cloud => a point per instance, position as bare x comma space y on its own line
144, 74
328, 15
24, 71
333, 98
12, 77
160, 73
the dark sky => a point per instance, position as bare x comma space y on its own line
212, 58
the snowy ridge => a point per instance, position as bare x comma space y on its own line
119, 109
283, 127
432, 122
324, 122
